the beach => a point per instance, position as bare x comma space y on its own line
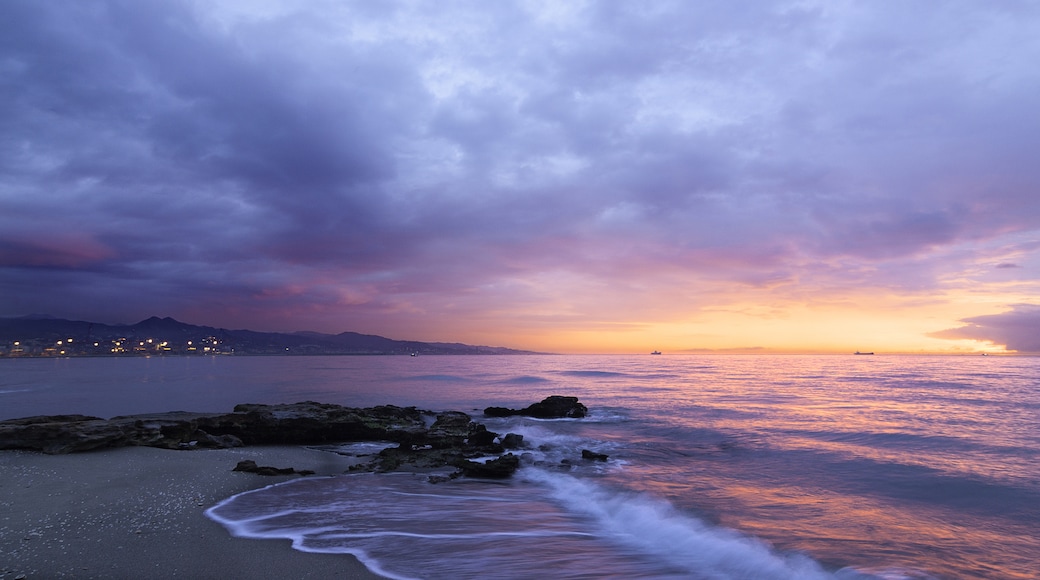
138, 512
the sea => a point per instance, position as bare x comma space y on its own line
719, 466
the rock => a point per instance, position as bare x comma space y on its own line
297, 423
425, 440
250, 466
553, 407
593, 456
218, 442
407, 456
176, 430
557, 407
512, 441
479, 436
499, 468
309, 422
450, 424
247, 465
60, 434
449, 430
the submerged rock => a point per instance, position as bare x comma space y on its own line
593, 456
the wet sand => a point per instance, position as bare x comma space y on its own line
138, 513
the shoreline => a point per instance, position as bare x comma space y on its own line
138, 512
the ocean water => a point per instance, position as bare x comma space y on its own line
719, 467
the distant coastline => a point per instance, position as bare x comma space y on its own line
43, 337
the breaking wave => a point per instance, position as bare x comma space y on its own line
542, 523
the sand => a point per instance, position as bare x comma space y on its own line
137, 512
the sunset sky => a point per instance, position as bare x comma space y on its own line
560, 176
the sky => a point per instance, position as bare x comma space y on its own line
583, 176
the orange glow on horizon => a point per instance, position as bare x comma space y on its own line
798, 330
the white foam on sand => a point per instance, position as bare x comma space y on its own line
542, 522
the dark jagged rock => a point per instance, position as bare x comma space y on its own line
451, 429
250, 466
499, 468
408, 457
310, 422
593, 456
552, 407
479, 436
297, 423
60, 434
512, 441
556, 407
450, 441
176, 430
225, 441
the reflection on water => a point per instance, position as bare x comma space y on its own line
913, 465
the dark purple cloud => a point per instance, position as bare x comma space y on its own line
1017, 330
362, 165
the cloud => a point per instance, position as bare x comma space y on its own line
1017, 330
61, 250
354, 162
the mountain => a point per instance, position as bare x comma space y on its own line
38, 335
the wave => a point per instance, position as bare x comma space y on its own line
966, 492
443, 378
525, 380
540, 523
400, 526
606, 415
913, 442
592, 374
655, 527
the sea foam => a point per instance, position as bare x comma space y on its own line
541, 523
652, 526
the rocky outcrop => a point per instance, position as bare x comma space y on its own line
424, 439
309, 422
61, 434
553, 407
297, 423
452, 440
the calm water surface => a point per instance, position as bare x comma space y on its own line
720, 466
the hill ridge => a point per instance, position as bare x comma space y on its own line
43, 335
